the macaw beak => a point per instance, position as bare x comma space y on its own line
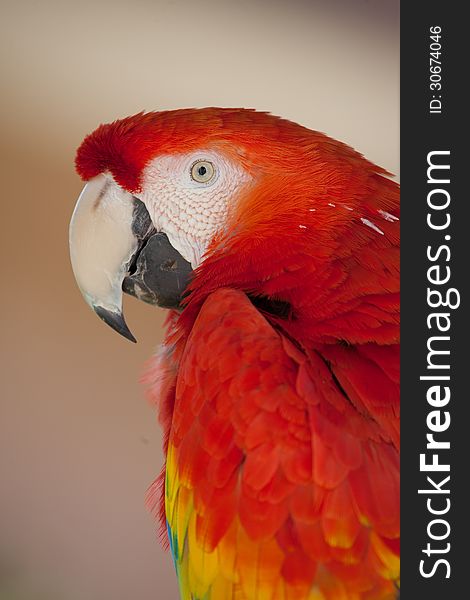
114, 248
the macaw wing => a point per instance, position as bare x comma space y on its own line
278, 485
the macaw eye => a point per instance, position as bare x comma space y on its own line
202, 171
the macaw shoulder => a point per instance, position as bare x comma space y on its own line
271, 465
235, 357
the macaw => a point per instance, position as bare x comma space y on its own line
276, 250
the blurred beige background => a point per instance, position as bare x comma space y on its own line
78, 443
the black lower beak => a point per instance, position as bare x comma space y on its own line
158, 274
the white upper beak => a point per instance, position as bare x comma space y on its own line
102, 243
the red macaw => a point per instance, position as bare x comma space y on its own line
276, 249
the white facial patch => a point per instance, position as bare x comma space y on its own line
191, 212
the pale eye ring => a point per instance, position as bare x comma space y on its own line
202, 171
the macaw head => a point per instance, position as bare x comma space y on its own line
180, 203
